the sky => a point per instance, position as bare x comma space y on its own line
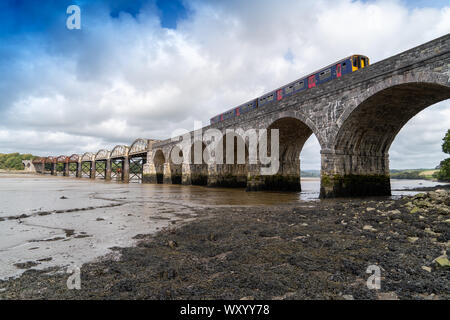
145, 68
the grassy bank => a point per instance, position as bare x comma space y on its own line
413, 174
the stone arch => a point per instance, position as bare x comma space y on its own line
396, 99
293, 133
301, 116
367, 128
176, 169
233, 172
198, 172
158, 160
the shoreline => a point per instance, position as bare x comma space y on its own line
309, 250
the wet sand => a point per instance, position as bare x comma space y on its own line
50, 221
207, 249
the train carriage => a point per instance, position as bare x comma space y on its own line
331, 72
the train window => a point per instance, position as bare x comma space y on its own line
289, 89
270, 98
325, 74
299, 85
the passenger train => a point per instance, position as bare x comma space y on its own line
333, 71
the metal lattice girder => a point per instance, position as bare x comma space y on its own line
59, 167
73, 169
137, 168
117, 169
86, 169
100, 169
47, 166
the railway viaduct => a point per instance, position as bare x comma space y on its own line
355, 119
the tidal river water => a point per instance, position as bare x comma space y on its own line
50, 221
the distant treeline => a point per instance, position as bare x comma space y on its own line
407, 174
310, 174
13, 161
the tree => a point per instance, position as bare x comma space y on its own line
444, 172
446, 143
13, 161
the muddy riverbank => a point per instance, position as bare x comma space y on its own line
308, 250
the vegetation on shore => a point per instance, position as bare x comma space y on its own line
13, 161
444, 167
413, 174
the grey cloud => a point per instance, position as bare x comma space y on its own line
124, 78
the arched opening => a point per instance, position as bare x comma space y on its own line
119, 163
360, 149
100, 164
158, 161
198, 165
49, 165
86, 165
293, 133
233, 171
137, 157
176, 168
73, 165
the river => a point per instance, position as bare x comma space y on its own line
50, 221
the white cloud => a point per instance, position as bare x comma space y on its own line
125, 78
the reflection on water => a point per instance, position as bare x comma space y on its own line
68, 221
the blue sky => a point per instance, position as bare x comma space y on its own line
146, 68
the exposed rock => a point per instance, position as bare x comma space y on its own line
387, 296
412, 239
420, 196
432, 233
26, 265
172, 244
442, 262
427, 269
369, 228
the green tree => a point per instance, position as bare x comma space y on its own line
444, 172
14, 160
446, 143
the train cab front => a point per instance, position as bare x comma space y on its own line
359, 62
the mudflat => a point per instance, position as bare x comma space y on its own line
302, 250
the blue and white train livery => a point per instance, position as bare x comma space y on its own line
333, 71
